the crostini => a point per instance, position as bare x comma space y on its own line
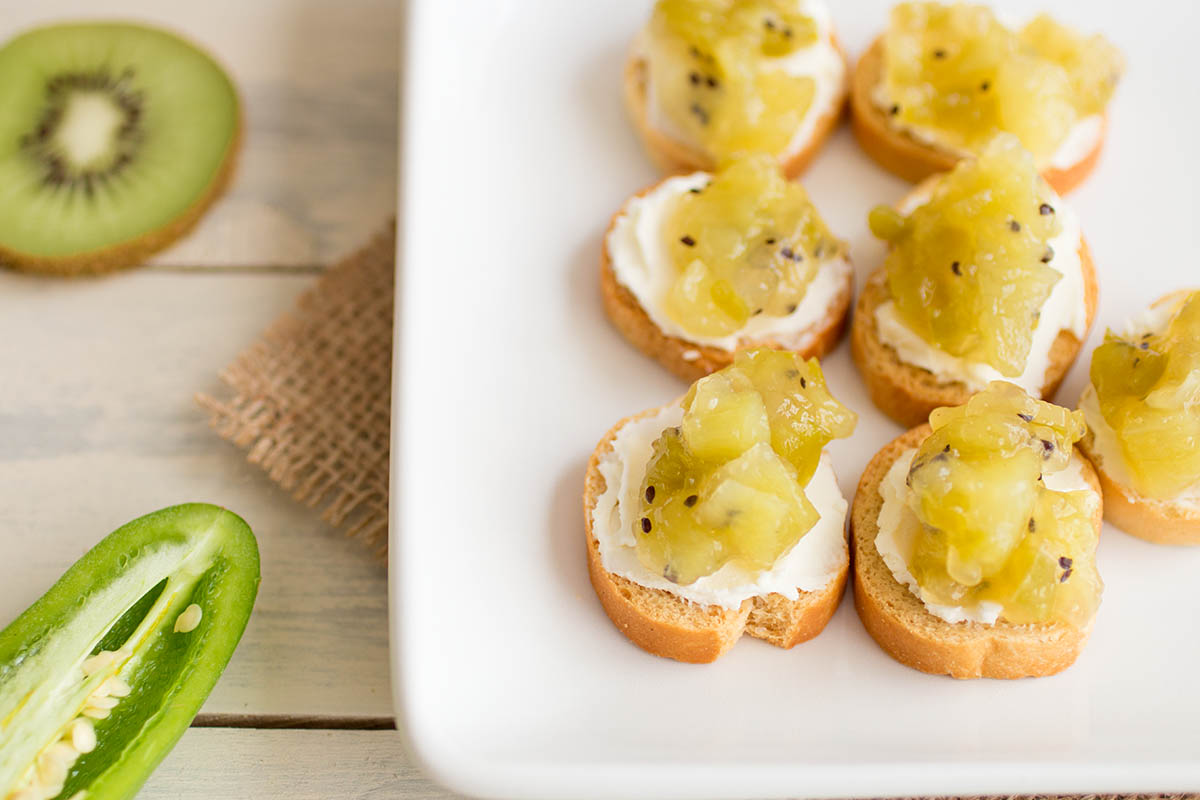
1143, 413
707, 80
944, 79
720, 514
987, 277
974, 537
700, 265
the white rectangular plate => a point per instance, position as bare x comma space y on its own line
509, 679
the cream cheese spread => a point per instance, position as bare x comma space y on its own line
820, 61
899, 526
641, 261
810, 565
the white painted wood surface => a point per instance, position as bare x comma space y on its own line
298, 765
98, 424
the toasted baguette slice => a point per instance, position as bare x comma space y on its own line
901, 625
907, 393
901, 154
690, 360
1158, 521
667, 625
673, 156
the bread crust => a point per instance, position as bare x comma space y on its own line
907, 393
1157, 521
133, 252
901, 154
690, 360
666, 625
674, 157
898, 621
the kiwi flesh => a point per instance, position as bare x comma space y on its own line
114, 140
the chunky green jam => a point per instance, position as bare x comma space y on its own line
716, 77
1148, 389
956, 72
747, 244
728, 483
991, 531
968, 269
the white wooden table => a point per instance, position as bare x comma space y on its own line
98, 424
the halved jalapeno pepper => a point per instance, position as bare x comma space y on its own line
102, 675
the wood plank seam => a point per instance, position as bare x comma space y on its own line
294, 722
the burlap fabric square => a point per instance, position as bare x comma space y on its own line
310, 402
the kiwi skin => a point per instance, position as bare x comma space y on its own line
135, 251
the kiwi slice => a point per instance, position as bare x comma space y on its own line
114, 140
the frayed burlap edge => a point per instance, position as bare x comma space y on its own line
310, 401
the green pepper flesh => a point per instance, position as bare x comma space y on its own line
157, 565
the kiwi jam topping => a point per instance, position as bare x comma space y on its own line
749, 243
991, 531
716, 73
727, 485
968, 269
1148, 388
956, 72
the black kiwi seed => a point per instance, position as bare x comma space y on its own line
690, 500
646, 525
649, 494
